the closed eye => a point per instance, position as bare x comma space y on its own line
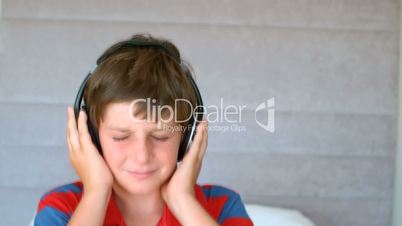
160, 138
120, 138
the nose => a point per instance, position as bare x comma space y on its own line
141, 151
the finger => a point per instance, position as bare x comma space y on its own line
201, 149
72, 133
85, 138
71, 153
68, 133
204, 142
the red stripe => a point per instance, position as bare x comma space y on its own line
237, 221
65, 202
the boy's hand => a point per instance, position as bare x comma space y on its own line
180, 188
84, 156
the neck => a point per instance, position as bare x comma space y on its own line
139, 205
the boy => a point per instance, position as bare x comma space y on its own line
126, 155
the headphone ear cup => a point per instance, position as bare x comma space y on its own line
183, 146
188, 137
91, 129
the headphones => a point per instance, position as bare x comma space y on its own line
190, 130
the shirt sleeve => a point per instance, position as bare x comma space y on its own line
225, 206
234, 213
50, 216
56, 207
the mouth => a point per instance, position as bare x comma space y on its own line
140, 174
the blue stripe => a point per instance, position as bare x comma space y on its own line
217, 191
65, 188
233, 207
49, 216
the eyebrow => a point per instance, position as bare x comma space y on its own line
124, 129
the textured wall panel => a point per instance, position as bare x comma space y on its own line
349, 14
325, 71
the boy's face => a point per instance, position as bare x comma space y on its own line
140, 155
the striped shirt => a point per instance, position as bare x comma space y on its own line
56, 207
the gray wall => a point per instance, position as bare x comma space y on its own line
397, 218
331, 66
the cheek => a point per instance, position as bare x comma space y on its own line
167, 151
167, 157
112, 152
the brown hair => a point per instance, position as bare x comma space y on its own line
144, 72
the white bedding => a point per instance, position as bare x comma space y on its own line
273, 216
